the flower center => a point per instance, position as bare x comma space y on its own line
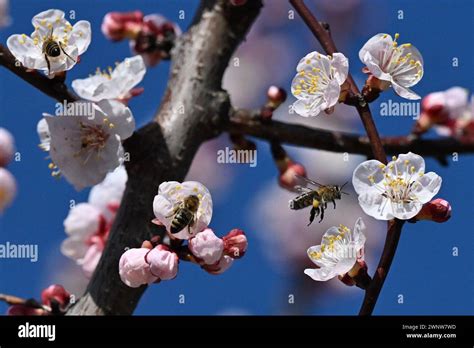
399, 182
311, 81
93, 139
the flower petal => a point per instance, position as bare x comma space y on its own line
404, 92
429, 186
341, 65
120, 116
362, 173
375, 205
81, 36
26, 52
320, 274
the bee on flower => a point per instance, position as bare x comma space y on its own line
185, 209
55, 44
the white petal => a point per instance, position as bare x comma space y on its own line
46, 17
360, 176
26, 52
129, 73
44, 135
309, 108
331, 94
120, 116
320, 274
376, 205
404, 92
406, 211
74, 248
81, 36
83, 221
92, 88
371, 54
162, 209
413, 161
429, 185
341, 64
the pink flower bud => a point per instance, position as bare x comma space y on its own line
163, 263
276, 94
235, 243
133, 268
207, 247
438, 210
221, 266
288, 173
117, 26
21, 310
7, 188
7, 147
55, 294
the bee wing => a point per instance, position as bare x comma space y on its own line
309, 181
302, 189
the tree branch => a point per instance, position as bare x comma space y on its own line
247, 122
194, 109
55, 88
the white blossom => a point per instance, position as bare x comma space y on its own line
114, 84
171, 195
338, 252
84, 148
317, 84
396, 190
51, 24
400, 66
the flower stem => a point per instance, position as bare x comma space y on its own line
322, 34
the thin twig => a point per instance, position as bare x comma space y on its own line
394, 226
247, 122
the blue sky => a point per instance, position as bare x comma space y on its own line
425, 272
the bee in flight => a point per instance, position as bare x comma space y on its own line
316, 198
184, 214
52, 49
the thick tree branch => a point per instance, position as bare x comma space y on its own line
55, 88
245, 122
194, 109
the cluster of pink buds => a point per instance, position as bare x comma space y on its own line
152, 262
7, 181
289, 169
54, 301
449, 112
216, 255
150, 36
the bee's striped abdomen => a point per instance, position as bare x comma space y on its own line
182, 219
302, 201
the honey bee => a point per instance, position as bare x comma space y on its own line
184, 215
317, 198
52, 49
